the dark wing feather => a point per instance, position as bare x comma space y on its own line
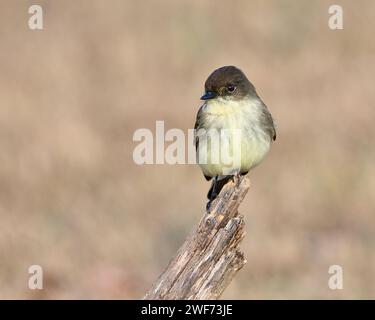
268, 123
197, 126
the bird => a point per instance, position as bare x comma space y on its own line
232, 120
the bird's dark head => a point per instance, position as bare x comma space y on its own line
228, 82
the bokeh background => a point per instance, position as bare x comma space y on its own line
71, 96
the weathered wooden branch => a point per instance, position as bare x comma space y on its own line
208, 260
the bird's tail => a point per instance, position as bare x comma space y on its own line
216, 186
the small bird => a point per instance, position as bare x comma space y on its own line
235, 115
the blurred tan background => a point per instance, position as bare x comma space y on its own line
73, 201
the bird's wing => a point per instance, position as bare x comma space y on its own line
268, 122
272, 128
197, 126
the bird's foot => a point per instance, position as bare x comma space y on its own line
236, 178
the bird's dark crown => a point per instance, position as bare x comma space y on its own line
228, 82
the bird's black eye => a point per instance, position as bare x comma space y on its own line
231, 88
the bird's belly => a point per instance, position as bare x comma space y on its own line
237, 150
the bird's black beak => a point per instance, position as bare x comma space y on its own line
209, 95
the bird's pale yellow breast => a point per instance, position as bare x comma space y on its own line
227, 116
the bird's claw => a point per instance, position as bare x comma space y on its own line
236, 178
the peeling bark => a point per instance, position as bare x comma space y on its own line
210, 257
